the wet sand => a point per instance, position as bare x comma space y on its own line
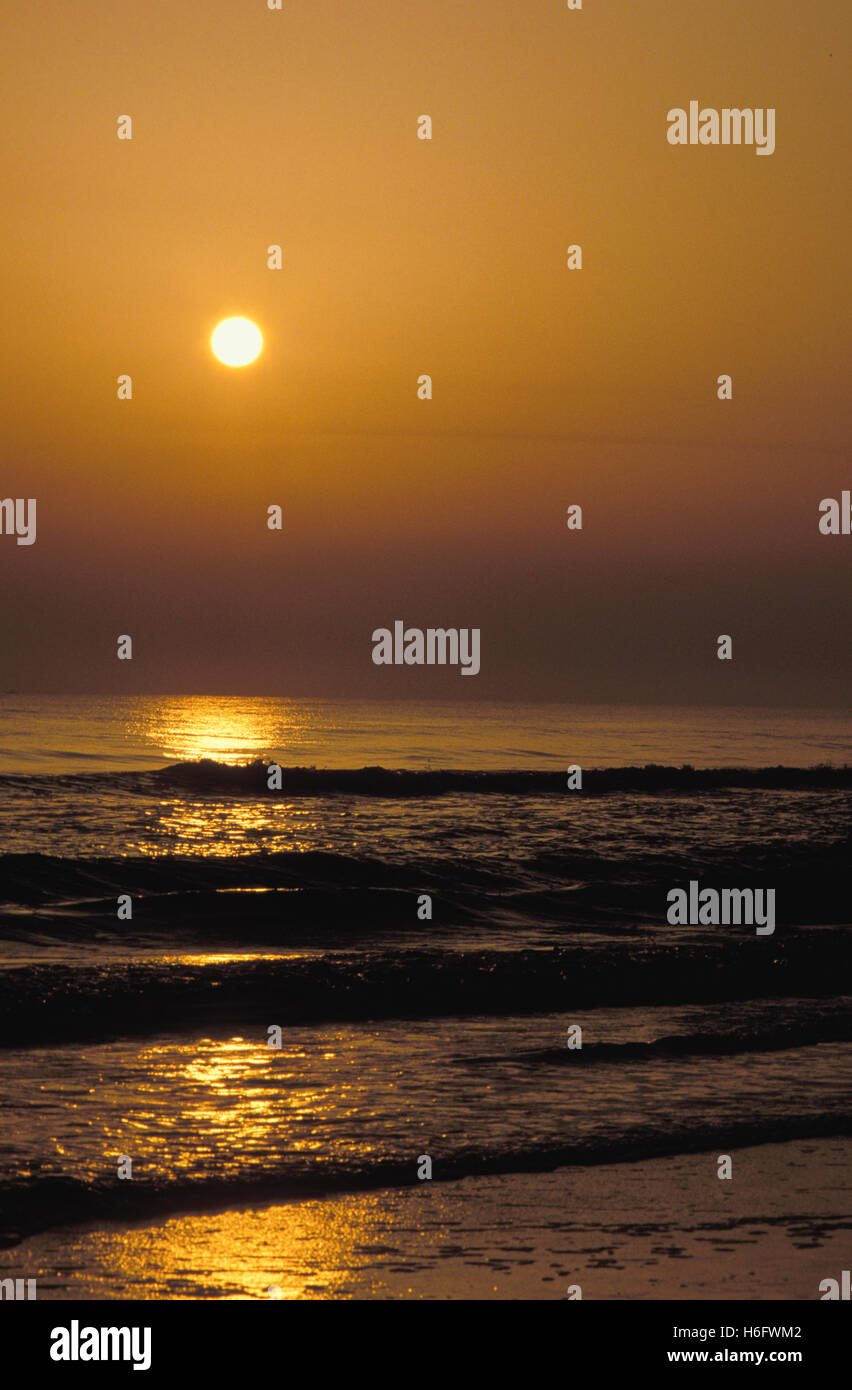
664, 1228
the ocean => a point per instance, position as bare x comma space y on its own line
428, 915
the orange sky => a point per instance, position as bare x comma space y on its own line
447, 257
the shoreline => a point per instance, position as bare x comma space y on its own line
659, 1228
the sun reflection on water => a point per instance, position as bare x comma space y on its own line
226, 729
213, 827
292, 1251
239, 1107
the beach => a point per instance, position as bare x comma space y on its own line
236, 1022
656, 1229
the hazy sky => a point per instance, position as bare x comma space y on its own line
448, 257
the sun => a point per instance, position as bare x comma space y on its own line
236, 342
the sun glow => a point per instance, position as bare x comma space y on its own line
236, 342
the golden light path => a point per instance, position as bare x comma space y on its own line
236, 732
225, 729
229, 1105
